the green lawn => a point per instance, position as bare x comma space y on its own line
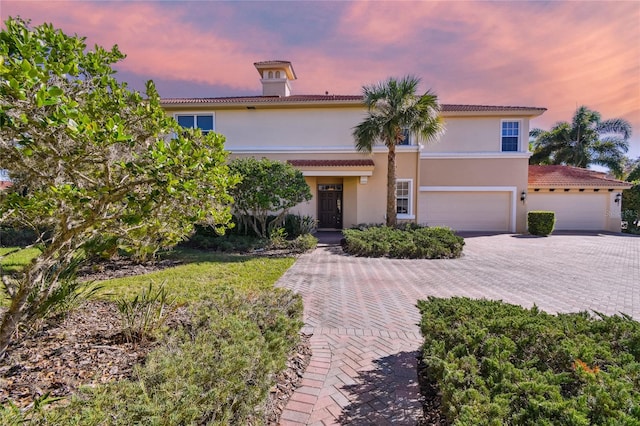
202, 273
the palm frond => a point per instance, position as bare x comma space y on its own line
618, 126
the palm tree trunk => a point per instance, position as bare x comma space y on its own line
391, 186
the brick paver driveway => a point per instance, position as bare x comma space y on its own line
362, 312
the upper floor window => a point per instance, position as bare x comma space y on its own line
406, 134
404, 199
510, 135
270, 74
203, 122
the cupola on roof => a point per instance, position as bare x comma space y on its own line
276, 77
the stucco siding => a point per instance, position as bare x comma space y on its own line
475, 134
297, 130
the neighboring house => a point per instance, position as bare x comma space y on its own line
472, 179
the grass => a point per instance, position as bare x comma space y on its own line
202, 273
16, 261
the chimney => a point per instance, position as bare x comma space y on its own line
276, 76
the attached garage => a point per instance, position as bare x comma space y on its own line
582, 199
486, 209
574, 210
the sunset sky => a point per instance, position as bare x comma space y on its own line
552, 54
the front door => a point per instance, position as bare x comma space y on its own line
330, 206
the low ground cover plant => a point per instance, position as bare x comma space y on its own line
496, 364
405, 242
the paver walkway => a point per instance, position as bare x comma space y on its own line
362, 312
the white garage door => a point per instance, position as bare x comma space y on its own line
466, 211
574, 210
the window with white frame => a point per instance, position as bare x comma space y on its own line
404, 198
204, 122
510, 135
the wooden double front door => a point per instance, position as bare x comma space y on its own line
330, 206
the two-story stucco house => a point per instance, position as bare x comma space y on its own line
475, 178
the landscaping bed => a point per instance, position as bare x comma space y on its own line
495, 363
224, 336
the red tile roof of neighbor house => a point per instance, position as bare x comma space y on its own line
567, 176
331, 163
356, 99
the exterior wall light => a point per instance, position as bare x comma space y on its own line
523, 197
618, 197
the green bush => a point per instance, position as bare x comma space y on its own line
17, 237
216, 370
631, 218
296, 225
407, 242
498, 364
541, 222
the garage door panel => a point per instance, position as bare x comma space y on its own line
466, 211
574, 211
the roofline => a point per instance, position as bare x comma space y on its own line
336, 100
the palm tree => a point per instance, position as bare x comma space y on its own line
393, 109
586, 140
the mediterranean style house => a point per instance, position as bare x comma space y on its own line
476, 177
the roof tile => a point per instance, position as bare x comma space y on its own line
331, 163
333, 98
567, 176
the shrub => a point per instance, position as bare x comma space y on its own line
541, 222
296, 225
144, 314
406, 242
17, 237
496, 363
215, 370
631, 219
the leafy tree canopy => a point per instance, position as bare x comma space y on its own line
90, 158
585, 141
268, 187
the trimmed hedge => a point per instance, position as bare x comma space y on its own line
541, 222
496, 364
409, 242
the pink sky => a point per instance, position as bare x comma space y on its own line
557, 55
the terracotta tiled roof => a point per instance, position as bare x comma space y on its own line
486, 108
334, 98
567, 176
331, 163
263, 99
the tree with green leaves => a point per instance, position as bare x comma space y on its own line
267, 187
585, 141
394, 108
90, 159
631, 196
